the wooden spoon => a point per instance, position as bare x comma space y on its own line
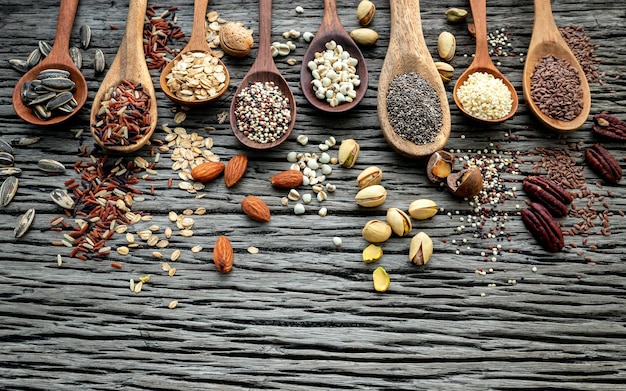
332, 29
197, 43
129, 64
58, 58
546, 40
482, 63
263, 70
407, 52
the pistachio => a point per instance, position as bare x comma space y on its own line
399, 221
446, 71
456, 15
423, 209
370, 176
365, 12
440, 165
371, 196
420, 249
466, 183
376, 231
364, 36
348, 152
381, 280
446, 45
372, 253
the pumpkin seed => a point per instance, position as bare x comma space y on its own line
77, 57
85, 36
51, 166
62, 198
8, 190
24, 223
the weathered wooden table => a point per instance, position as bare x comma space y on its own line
302, 313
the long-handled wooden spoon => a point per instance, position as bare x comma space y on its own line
129, 64
407, 52
482, 63
546, 40
263, 70
331, 29
58, 58
197, 43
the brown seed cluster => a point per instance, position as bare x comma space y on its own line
555, 88
584, 50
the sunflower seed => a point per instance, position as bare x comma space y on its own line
62, 198
59, 100
6, 159
44, 48
21, 142
5, 147
19, 65
58, 84
34, 57
41, 112
77, 57
23, 224
10, 171
51, 166
99, 63
85, 36
53, 73
39, 99
8, 190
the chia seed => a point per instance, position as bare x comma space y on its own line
263, 112
414, 109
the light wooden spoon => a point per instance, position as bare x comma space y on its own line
197, 43
263, 70
332, 29
129, 64
407, 52
482, 63
58, 58
546, 40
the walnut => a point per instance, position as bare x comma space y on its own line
235, 39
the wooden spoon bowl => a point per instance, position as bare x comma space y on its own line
58, 58
197, 43
129, 64
407, 52
331, 29
482, 63
546, 40
263, 70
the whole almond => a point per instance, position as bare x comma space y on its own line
223, 255
256, 208
208, 171
235, 169
287, 179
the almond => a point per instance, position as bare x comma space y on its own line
208, 171
235, 169
223, 254
256, 208
287, 179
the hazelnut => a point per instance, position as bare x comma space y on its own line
466, 183
235, 39
439, 166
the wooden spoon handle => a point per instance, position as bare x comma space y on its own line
406, 25
330, 19
133, 35
67, 13
544, 27
479, 15
198, 33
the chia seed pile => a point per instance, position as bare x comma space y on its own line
413, 108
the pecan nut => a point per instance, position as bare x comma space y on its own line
603, 163
548, 193
543, 227
609, 126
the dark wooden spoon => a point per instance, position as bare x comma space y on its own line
546, 40
332, 29
129, 64
58, 58
197, 43
407, 52
263, 70
482, 63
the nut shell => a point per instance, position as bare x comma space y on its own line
466, 183
235, 39
365, 12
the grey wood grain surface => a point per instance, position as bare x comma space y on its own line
302, 314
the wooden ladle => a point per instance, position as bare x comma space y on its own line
58, 58
129, 64
263, 70
407, 52
546, 40
482, 63
197, 43
332, 29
